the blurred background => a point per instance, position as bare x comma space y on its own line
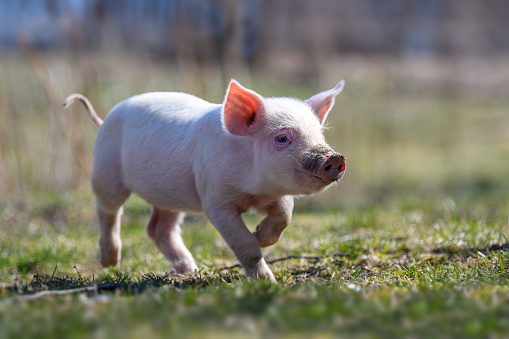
425, 111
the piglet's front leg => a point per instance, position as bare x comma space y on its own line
242, 242
279, 214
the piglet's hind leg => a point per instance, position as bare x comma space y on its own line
164, 230
109, 240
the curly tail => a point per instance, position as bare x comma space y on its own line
88, 106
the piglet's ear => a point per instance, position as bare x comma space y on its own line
241, 108
322, 103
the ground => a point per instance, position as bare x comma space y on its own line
426, 268
413, 243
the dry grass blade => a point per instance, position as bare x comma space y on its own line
292, 256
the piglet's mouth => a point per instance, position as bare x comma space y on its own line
323, 181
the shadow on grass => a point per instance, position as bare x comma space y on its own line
321, 267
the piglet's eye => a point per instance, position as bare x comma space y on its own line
281, 139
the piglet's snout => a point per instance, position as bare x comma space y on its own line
333, 167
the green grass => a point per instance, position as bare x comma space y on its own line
408, 245
422, 268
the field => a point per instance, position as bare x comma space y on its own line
414, 243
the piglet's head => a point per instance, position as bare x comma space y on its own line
290, 155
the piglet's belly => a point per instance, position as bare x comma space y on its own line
164, 190
171, 199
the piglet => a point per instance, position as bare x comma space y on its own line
183, 154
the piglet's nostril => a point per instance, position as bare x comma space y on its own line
333, 168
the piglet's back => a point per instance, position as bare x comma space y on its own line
154, 137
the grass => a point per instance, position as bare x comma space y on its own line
408, 268
413, 243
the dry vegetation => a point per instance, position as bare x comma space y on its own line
408, 126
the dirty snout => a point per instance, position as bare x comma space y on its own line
333, 168
325, 164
